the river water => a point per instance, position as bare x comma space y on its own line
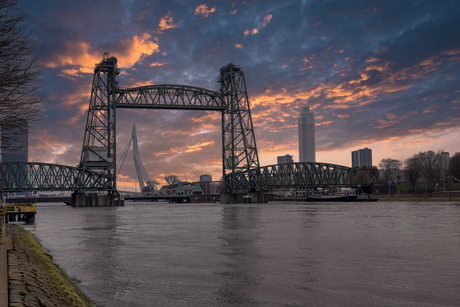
275, 254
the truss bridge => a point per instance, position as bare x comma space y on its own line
241, 171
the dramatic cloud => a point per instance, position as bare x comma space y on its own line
381, 75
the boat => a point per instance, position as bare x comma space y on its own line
343, 195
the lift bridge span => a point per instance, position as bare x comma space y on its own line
240, 161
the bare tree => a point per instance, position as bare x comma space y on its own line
431, 165
413, 171
388, 168
172, 179
20, 100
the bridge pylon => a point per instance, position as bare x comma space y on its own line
99, 143
239, 150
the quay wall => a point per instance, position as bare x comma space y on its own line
33, 278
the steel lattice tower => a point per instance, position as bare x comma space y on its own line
99, 144
239, 150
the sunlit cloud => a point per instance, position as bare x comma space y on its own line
82, 56
204, 11
167, 22
158, 64
267, 20
198, 146
239, 46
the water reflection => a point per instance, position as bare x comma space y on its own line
238, 243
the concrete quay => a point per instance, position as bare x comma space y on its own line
28, 275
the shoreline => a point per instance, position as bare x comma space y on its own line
34, 279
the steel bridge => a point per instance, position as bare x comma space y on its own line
240, 162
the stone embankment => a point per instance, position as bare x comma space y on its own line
34, 279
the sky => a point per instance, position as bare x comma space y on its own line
377, 74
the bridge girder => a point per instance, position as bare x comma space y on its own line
299, 175
166, 96
31, 176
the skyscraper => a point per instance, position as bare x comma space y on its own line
361, 157
306, 126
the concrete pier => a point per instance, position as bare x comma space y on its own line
249, 197
81, 199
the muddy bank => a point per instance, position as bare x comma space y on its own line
34, 279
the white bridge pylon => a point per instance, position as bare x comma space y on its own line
142, 175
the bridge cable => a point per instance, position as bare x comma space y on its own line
123, 156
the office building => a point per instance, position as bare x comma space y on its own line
15, 148
205, 178
306, 126
361, 157
284, 159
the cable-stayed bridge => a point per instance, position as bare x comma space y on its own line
240, 161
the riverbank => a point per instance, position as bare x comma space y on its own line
412, 197
34, 279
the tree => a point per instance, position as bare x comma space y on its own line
172, 179
454, 167
20, 100
431, 166
412, 170
388, 168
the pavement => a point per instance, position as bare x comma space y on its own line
5, 244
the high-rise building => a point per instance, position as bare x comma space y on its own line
306, 126
284, 159
15, 148
361, 157
15, 144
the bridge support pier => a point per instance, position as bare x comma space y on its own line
238, 198
81, 199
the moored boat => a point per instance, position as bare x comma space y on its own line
343, 196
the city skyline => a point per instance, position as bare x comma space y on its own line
382, 76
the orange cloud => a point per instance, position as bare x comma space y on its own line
254, 31
418, 143
233, 12
204, 11
83, 56
158, 64
239, 46
167, 22
198, 146
267, 20
371, 60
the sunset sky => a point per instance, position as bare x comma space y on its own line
377, 74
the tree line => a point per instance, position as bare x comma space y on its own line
423, 169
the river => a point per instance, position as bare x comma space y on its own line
275, 254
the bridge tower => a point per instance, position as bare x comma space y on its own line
239, 150
99, 144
